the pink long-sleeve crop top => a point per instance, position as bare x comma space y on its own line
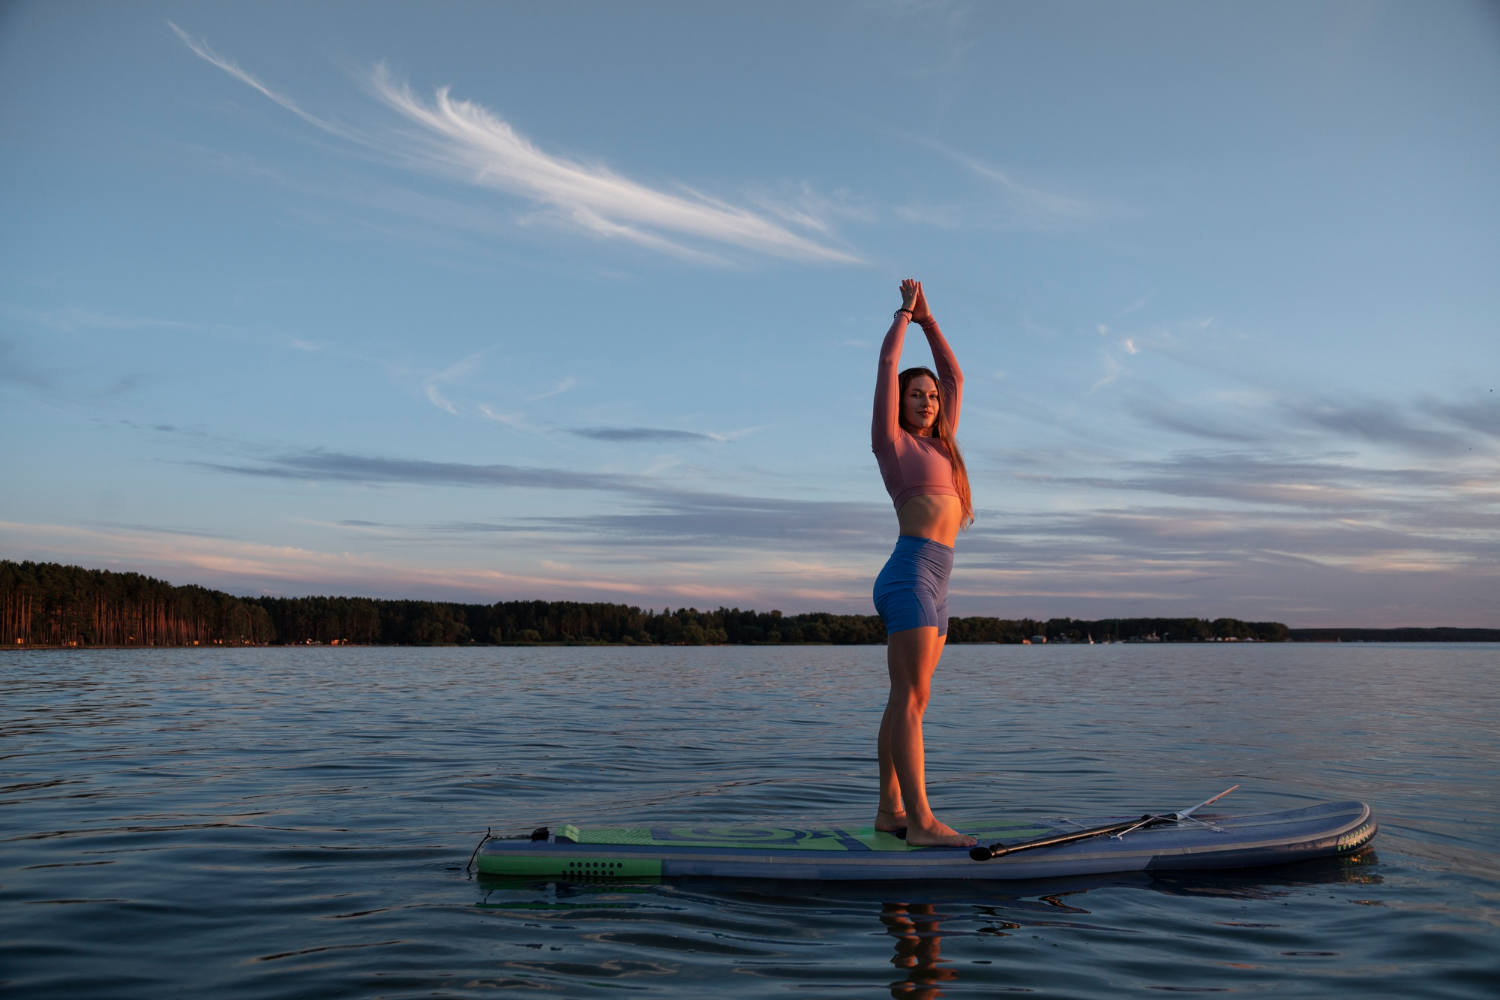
911, 465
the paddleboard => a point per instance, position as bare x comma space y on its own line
1201, 842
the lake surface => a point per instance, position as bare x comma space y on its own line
296, 822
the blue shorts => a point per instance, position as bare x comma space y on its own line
912, 590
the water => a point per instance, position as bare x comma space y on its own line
295, 822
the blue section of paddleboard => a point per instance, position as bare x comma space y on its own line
859, 853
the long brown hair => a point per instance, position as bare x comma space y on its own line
943, 432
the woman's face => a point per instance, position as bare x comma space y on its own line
919, 405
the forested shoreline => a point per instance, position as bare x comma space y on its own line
48, 604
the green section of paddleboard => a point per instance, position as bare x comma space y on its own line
568, 855
779, 839
572, 868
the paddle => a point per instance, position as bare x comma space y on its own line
998, 849
1174, 817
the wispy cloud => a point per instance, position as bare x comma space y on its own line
73, 319
1138, 304
341, 467
201, 48
464, 141
1183, 420
1386, 423
1035, 200
1021, 204
640, 434
658, 509
436, 387
433, 386
515, 421
1481, 414
660, 434
711, 521
79, 319
562, 386
253, 567
1329, 486
1112, 370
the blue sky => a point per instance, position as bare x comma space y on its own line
581, 301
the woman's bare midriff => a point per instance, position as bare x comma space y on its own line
932, 516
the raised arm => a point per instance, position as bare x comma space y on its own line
887, 421
951, 376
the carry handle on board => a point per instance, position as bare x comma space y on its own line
998, 849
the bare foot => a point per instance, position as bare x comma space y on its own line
938, 835
890, 822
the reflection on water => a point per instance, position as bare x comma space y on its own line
917, 927
919, 949
295, 823
914, 915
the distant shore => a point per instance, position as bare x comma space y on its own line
49, 605
1322, 635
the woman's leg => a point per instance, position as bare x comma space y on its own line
891, 815
911, 656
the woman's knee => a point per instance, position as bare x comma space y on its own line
911, 697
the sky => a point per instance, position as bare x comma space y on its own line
581, 301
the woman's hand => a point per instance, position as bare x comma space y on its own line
911, 291
920, 313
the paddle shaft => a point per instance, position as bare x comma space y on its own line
999, 849
1174, 817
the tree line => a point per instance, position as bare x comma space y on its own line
47, 604
384, 622
1441, 634
1114, 630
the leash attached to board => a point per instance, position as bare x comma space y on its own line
1116, 830
488, 836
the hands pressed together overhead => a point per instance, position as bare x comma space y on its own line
914, 300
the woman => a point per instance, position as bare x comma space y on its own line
916, 414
